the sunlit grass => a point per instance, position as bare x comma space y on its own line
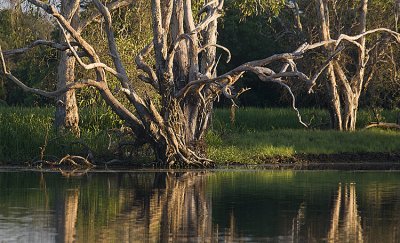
256, 135
257, 147
261, 119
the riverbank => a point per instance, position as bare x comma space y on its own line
257, 136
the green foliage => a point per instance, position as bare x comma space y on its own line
36, 67
256, 7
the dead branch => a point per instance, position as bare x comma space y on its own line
139, 60
96, 15
383, 125
87, 66
49, 94
57, 46
219, 46
289, 58
74, 160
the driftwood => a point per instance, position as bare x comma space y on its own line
383, 125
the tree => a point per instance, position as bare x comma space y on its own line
79, 16
351, 71
67, 115
184, 76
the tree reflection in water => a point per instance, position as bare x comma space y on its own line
176, 207
199, 207
348, 227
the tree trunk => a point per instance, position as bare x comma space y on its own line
67, 115
334, 100
178, 142
344, 89
179, 138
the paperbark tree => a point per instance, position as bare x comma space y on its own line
184, 76
67, 114
348, 75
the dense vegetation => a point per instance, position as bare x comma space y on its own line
245, 141
251, 30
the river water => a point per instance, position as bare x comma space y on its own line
216, 206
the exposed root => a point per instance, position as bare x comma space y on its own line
68, 161
77, 161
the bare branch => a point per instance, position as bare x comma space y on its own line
87, 66
57, 46
139, 60
50, 9
219, 46
213, 13
288, 58
49, 94
96, 15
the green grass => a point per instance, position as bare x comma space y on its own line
256, 147
256, 135
265, 119
24, 131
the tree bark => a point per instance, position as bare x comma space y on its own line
67, 114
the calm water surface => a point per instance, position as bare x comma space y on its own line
225, 206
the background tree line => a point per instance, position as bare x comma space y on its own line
248, 29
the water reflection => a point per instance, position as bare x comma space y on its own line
348, 228
176, 207
264, 206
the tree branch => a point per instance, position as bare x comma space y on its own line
87, 66
50, 9
95, 15
49, 94
204, 48
55, 45
139, 60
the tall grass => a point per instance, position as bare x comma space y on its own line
25, 132
256, 134
257, 147
264, 119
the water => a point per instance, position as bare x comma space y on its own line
225, 206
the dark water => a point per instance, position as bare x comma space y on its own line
239, 206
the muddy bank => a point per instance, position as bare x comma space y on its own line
342, 161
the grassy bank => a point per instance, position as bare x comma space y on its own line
256, 136
26, 133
